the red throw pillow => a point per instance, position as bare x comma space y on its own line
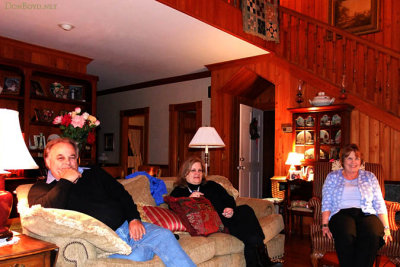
164, 218
197, 214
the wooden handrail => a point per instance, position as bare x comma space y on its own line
340, 32
354, 65
383, 49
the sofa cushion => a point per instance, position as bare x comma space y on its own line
198, 248
197, 214
71, 224
139, 189
162, 217
271, 225
298, 204
225, 183
226, 244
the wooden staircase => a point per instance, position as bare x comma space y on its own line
368, 73
321, 55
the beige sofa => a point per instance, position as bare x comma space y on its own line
85, 241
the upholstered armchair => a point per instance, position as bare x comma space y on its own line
321, 245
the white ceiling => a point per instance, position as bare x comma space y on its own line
131, 41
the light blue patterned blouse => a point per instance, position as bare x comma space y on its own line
372, 201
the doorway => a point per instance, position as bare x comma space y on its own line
184, 120
250, 151
134, 139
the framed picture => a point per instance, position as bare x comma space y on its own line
75, 92
355, 16
295, 175
12, 85
108, 142
37, 88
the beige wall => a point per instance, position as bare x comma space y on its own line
158, 99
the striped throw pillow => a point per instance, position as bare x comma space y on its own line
163, 217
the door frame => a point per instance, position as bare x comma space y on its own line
124, 126
174, 110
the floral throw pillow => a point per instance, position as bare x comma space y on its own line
197, 214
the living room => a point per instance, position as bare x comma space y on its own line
218, 85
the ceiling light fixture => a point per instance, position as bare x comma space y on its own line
66, 26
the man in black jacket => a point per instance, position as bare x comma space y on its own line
94, 192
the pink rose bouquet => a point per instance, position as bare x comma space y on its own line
79, 127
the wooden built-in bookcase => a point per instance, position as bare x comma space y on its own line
33, 70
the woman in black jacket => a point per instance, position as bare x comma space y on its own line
240, 220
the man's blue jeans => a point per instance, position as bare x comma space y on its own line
157, 240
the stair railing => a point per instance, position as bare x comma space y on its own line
363, 68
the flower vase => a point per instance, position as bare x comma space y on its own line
80, 151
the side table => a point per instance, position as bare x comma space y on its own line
28, 251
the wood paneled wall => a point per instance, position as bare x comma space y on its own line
378, 142
389, 18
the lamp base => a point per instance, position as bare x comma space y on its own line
6, 234
5, 209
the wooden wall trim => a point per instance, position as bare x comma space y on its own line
158, 82
239, 62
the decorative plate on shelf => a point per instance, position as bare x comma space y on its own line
324, 137
324, 120
300, 121
336, 120
310, 121
309, 154
301, 140
338, 137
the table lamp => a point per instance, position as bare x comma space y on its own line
14, 155
293, 159
206, 137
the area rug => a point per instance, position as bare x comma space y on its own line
260, 18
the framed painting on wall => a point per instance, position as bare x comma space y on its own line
355, 16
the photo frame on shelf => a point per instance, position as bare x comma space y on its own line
355, 16
39, 141
295, 174
44, 115
75, 92
37, 88
108, 142
33, 142
12, 85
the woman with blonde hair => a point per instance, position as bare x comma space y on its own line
241, 221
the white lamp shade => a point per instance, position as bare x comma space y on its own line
294, 158
14, 154
206, 137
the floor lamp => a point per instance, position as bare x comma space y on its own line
14, 155
206, 137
